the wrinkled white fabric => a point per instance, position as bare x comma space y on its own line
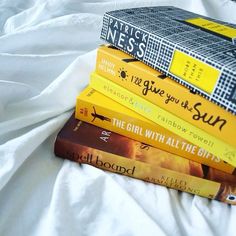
47, 50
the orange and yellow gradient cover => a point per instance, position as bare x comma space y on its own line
97, 109
85, 143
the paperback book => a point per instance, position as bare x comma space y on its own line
84, 143
97, 109
196, 51
165, 119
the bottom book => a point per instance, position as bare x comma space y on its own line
85, 143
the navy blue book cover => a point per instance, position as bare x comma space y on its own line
196, 51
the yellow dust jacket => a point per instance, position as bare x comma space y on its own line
162, 91
166, 119
97, 109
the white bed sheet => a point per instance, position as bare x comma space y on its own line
47, 50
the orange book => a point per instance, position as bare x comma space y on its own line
97, 109
164, 118
150, 84
84, 143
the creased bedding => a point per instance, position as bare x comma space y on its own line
47, 50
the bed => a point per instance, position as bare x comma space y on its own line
47, 50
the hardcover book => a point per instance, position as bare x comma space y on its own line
85, 143
97, 109
164, 118
196, 51
124, 70
150, 84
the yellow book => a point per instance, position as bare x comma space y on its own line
166, 119
97, 109
150, 84
85, 143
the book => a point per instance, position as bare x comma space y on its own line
84, 143
196, 51
150, 84
97, 109
167, 120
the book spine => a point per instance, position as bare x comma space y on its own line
145, 131
165, 119
140, 170
171, 96
173, 60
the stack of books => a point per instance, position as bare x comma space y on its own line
161, 102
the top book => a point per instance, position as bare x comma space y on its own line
197, 51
